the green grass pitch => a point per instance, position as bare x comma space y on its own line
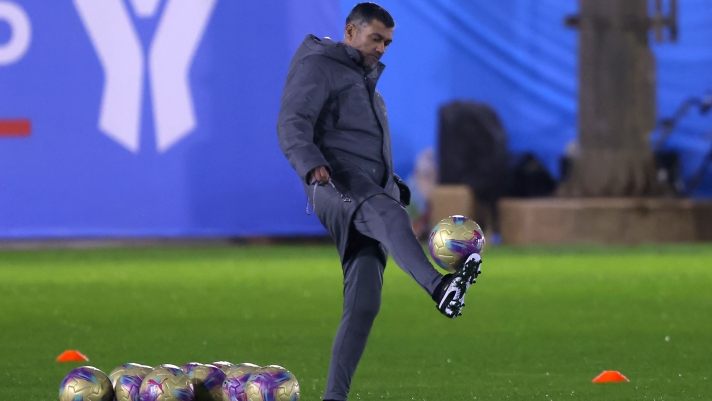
540, 323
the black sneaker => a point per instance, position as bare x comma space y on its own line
452, 298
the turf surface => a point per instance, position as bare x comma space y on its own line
539, 324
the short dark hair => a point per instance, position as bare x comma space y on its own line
365, 13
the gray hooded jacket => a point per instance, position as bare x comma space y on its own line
332, 115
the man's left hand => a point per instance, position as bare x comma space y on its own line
404, 190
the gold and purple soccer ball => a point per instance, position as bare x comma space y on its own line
127, 380
127, 367
86, 383
166, 383
453, 239
207, 381
272, 383
223, 365
118, 371
235, 384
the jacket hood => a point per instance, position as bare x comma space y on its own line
326, 47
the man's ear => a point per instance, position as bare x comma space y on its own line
349, 32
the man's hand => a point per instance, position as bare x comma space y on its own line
319, 174
403, 189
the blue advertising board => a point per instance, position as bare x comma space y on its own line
150, 118
141, 118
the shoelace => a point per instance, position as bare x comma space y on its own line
316, 183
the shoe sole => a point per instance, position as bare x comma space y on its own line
462, 281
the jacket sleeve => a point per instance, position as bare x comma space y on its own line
304, 95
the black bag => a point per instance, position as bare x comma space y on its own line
530, 179
472, 149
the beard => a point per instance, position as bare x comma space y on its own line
371, 62
368, 60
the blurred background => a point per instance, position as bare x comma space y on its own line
148, 127
548, 121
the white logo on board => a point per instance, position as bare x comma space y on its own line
20, 33
170, 56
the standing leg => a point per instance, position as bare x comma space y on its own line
363, 267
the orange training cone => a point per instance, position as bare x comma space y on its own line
610, 376
72, 356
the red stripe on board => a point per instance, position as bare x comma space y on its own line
19, 127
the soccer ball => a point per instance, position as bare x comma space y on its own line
118, 371
223, 365
166, 383
123, 369
207, 381
454, 239
272, 383
86, 383
127, 381
233, 388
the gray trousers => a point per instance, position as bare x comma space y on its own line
379, 223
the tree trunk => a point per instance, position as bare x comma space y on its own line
616, 103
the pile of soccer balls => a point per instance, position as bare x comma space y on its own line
219, 381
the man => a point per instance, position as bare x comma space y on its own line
333, 128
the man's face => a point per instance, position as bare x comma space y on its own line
370, 40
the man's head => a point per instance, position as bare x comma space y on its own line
369, 29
